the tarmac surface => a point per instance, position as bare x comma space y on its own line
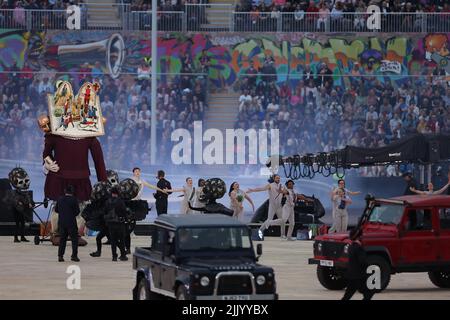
28, 271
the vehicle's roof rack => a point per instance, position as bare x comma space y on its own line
393, 201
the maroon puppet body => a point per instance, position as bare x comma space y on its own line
72, 157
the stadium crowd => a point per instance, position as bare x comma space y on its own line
314, 114
340, 15
250, 15
125, 104
47, 14
170, 14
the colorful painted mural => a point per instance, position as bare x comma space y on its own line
385, 57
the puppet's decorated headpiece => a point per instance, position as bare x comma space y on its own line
74, 116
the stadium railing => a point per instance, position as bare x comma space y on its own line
222, 17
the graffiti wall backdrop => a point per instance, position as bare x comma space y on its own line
386, 57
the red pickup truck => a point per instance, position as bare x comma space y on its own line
402, 234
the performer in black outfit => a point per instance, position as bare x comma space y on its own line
67, 209
129, 227
356, 273
23, 206
116, 213
20, 200
104, 232
161, 197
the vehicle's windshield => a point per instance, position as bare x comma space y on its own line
386, 213
227, 238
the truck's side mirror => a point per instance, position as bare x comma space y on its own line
259, 250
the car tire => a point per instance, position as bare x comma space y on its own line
385, 269
330, 279
181, 293
440, 278
144, 292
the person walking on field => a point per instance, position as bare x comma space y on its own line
116, 214
356, 273
68, 209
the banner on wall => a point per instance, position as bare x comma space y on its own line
391, 66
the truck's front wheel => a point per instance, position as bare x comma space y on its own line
440, 279
330, 279
385, 270
144, 292
181, 293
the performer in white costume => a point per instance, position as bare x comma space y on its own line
188, 192
142, 183
237, 197
275, 191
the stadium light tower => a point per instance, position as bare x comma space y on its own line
154, 36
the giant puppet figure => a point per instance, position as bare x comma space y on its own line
71, 129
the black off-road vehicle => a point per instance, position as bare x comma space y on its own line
207, 257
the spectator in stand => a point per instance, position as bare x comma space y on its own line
45, 86
205, 62
299, 16
243, 99
252, 74
324, 15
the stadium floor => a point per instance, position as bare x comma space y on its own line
28, 271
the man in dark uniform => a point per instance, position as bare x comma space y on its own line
410, 183
356, 273
23, 206
161, 197
67, 209
116, 213
103, 232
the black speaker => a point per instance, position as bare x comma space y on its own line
140, 208
434, 151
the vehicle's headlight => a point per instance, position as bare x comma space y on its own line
260, 280
346, 248
319, 247
204, 281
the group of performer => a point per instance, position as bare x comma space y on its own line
282, 200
